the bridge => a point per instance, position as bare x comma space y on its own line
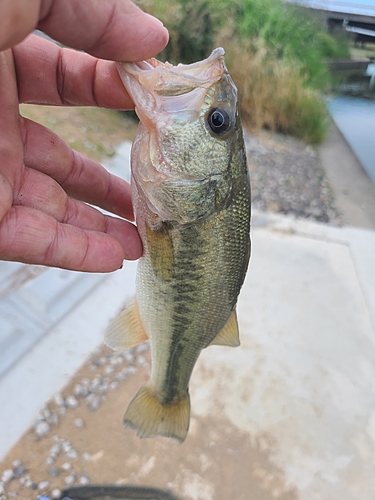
351, 11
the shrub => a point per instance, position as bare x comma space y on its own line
274, 95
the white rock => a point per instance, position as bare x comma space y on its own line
72, 454
113, 385
66, 446
141, 348
80, 390
42, 429
108, 370
128, 357
7, 476
84, 479
141, 360
70, 479
116, 360
71, 402
59, 399
43, 485
79, 423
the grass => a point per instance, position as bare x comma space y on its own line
275, 96
95, 132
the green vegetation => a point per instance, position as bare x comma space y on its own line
276, 55
274, 96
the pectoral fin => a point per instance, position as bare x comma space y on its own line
161, 251
229, 335
126, 329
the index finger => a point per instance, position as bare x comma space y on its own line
48, 74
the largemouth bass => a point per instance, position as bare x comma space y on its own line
191, 197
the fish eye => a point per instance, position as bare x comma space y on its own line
218, 120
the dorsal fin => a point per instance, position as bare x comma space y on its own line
126, 329
229, 335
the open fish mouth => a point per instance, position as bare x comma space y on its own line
158, 88
165, 79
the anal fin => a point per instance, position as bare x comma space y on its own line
229, 335
126, 329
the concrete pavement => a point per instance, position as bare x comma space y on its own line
295, 402
301, 388
354, 192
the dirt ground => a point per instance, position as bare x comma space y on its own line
106, 453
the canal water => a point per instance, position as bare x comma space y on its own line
353, 111
355, 118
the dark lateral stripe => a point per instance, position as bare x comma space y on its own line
188, 271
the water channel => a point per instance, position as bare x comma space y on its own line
353, 111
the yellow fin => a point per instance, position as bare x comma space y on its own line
150, 418
229, 335
126, 329
161, 251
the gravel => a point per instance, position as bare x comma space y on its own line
64, 462
287, 177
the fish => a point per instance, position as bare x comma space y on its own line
191, 197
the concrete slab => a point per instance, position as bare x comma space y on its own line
353, 190
302, 385
49, 365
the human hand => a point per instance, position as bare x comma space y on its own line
45, 186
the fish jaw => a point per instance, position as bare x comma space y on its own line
159, 89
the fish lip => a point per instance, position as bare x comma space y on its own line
135, 68
159, 77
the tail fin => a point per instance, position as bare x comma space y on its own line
150, 418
